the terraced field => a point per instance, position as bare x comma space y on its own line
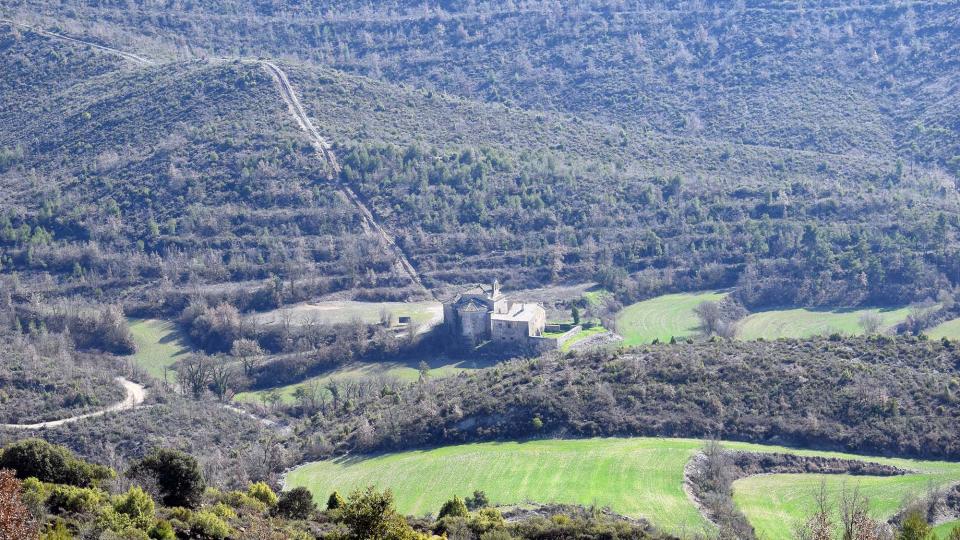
948, 329
803, 323
640, 477
159, 345
663, 317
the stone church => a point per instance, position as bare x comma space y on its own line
485, 314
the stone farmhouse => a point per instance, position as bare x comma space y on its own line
486, 314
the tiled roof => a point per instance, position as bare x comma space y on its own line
472, 305
518, 312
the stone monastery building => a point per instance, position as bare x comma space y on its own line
485, 314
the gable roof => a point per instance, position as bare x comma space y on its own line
519, 312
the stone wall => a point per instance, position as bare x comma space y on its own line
543, 344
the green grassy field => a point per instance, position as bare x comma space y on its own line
801, 323
774, 504
159, 345
948, 329
597, 296
663, 317
336, 312
943, 531
409, 372
640, 477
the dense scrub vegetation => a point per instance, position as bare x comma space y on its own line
554, 219
223, 189
873, 395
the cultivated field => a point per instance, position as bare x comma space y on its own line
673, 315
774, 504
159, 345
803, 323
663, 317
640, 477
342, 311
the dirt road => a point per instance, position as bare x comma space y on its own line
370, 223
128, 56
136, 394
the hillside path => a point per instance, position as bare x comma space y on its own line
136, 394
128, 56
290, 97
370, 223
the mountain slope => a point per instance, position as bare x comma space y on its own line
221, 187
477, 189
830, 76
154, 180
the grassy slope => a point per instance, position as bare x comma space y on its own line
159, 345
943, 530
801, 323
775, 503
673, 315
662, 317
948, 329
635, 476
582, 336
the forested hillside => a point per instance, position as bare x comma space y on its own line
876, 395
552, 197
878, 77
141, 183
802, 155
226, 225
192, 174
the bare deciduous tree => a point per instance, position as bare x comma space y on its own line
194, 374
221, 379
870, 322
248, 352
710, 317
819, 526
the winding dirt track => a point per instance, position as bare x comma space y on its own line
136, 393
